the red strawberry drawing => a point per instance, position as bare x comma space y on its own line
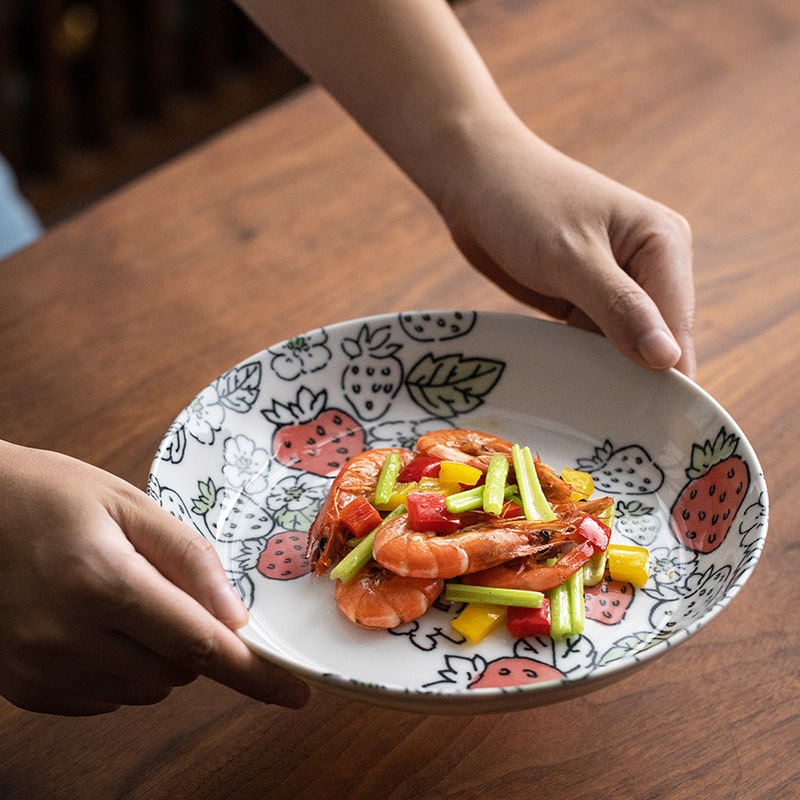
284, 556
608, 601
515, 671
705, 508
312, 437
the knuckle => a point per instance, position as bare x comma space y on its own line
625, 300
201, 652
672, 230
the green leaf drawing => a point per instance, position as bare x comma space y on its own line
207, 498
452, 385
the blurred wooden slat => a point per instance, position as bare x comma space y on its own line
152, 78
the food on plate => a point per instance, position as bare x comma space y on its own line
473, 519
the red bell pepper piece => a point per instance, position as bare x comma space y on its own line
594, 531
522, 622
427, 512
360, 516
511, 510
419, 467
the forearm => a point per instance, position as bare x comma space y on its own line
405, 71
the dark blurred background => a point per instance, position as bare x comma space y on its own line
94, 93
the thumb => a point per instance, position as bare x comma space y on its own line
183, 557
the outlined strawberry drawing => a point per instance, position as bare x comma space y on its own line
374, 375
624, 470
312, 437
705, 508
636, 521
438, 327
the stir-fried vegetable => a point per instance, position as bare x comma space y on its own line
524, 540
478, 620
629, 563
534, 503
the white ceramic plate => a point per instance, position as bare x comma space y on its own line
248, 462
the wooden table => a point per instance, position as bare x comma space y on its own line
292, 220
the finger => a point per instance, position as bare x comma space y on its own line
662, 266
172, 624
598, 285
182, 556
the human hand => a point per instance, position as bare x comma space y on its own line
108, 600
575, 244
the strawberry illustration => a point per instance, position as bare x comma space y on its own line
608, 601
374, 375
706, 506
312, 437
284, 556
637, 522
626, 470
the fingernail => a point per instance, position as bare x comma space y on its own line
228, 607
659, 349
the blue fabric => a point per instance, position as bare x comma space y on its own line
19, 225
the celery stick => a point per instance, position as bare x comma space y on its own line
352, 563
472, 499
594, 569
567, 609
577, 607
534, 503
560, 619
468, 500
464, 593
495, 484
386, 480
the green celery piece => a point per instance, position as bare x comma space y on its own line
567, 608
463, 593
468, 500
495, 485
358, 557
534, 503
560, 618
386, 480
472, 499
577, 607
594, 569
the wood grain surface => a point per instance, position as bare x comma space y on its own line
293, 220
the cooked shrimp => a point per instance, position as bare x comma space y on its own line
574, 511
555, 488
327, 536
426, 555
463, 446
530, 573
378, 598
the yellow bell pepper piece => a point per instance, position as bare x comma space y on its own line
478, 620
581, 482
401, 490
629, 563
464, 474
